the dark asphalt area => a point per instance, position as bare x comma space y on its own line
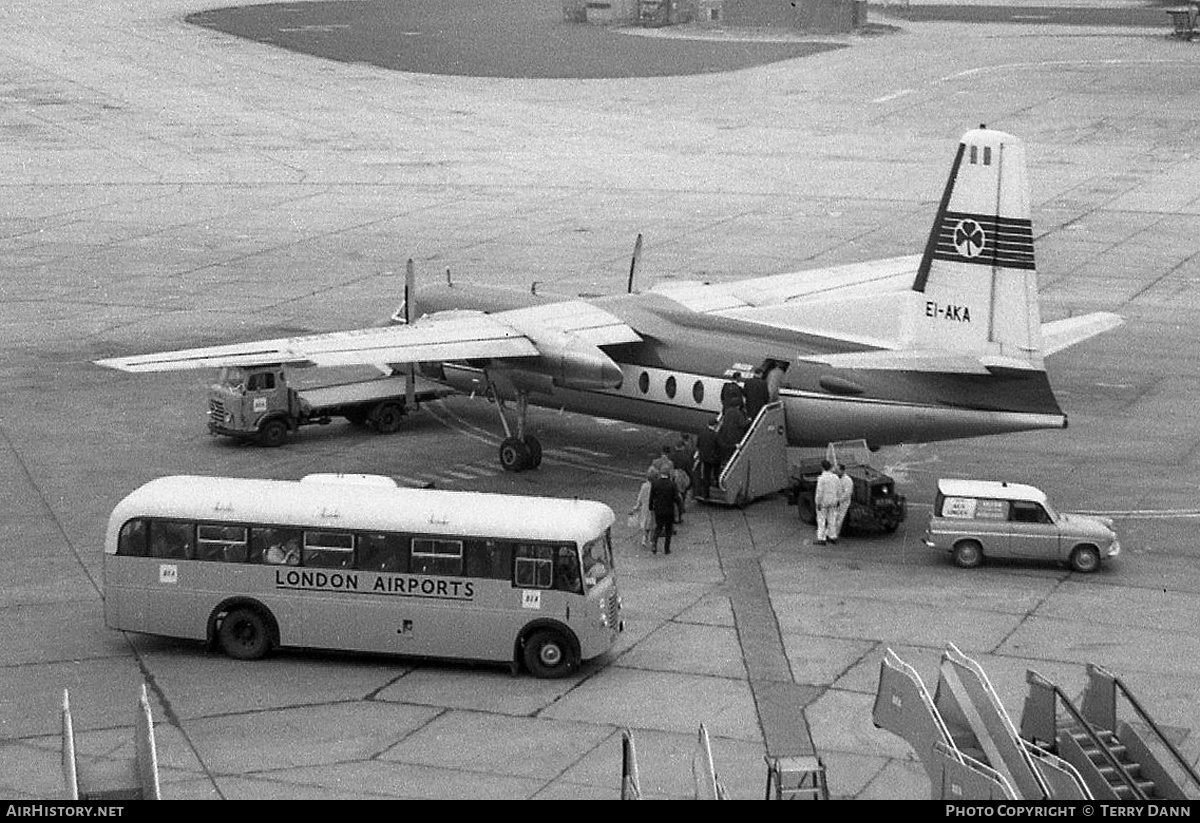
486, 38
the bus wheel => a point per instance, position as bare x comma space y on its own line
548, 655
514, 455
388, 417
273, 433
244, 634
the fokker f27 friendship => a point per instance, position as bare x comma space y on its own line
942, 345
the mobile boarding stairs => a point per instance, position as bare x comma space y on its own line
971, 749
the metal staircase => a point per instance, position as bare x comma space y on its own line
1117, 759
758, 466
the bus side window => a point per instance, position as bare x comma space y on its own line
382, 553
489, 559
171, 540
431, 556
328, 550
132, 541
534, 567
284, 540
221, 543
566, 570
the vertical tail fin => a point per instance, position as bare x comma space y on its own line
977, 281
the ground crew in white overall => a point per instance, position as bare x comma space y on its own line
826, 501
845, 495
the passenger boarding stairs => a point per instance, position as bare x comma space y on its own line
759, 465
1118, 759
963, 736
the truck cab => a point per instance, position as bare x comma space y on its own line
252, 402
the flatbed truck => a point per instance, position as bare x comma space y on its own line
258, 403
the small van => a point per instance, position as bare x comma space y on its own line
974, 519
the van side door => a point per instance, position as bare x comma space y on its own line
1033, 533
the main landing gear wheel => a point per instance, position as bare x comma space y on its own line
518, 455
535, 451
514, 455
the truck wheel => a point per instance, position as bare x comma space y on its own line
1085, 559
388, 417
807, 508
514, 455
968, 554
273, 433
547, 654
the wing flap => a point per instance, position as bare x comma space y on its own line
458, 335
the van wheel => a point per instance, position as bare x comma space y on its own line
272, 434
388, 417
968, 554
548, 655
1085, 559
244, 634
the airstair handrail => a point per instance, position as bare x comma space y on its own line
1095, 738
1038, 753
979, 766
1149, 721
952, 652
754, 426
930, 706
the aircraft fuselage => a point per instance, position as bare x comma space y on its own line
672, 379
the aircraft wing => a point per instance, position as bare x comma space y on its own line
1060, 334
854, 280
457, 335
443, 336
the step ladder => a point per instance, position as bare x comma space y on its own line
134, 778
796, 777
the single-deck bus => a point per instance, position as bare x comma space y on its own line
336, 563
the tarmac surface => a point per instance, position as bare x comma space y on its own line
168, 185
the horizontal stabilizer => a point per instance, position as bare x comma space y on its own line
1061, 334
915, 360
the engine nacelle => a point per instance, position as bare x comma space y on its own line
574, 363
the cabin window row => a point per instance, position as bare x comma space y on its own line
671, 387
527, 565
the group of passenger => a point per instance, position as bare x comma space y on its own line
835, 489
695, 467
662, 498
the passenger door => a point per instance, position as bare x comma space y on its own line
1033, 534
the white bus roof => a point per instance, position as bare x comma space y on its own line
990, 488
356, 506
